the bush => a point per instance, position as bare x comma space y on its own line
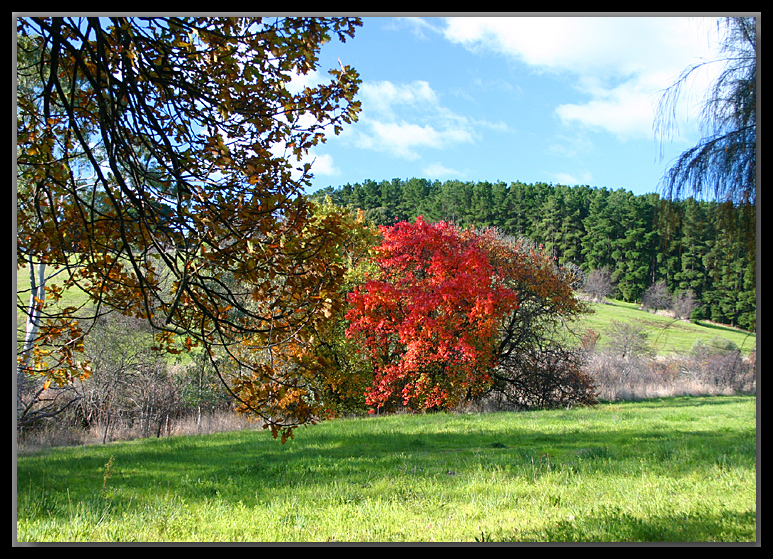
719, 362
544, 379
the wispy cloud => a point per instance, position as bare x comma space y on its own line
440, 171
402, 120
620, 64
419, 26
572, 179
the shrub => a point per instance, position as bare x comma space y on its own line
632, 378
544, 379
720, 363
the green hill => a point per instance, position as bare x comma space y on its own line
666, 334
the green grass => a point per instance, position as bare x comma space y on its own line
676, 469
70, 297
665, 334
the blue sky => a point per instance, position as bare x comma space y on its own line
562, 100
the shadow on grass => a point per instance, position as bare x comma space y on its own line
614, 525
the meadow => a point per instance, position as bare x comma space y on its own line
661, 470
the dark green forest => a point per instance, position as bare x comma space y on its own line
703, 246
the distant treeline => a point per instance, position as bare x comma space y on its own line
706, 247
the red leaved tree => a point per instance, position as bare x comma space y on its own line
430, 317
453, 314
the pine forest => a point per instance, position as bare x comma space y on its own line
706, 248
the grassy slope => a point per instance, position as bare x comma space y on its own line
70, 298
664, 333
677, 469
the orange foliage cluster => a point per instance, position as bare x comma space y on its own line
151, 172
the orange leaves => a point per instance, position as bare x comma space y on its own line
543, 287
279, 388
184, 213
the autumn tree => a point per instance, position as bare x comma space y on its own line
162, 167
453, 314
536, 364
428, 317
350, 373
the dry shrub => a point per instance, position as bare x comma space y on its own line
55, 433
717, 373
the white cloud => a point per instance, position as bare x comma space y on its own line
417, 25
440, 171
619, 64
568, 179
404, 119
384, 97
323, 165
301, 81
626, 111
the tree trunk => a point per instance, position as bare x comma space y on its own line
34, 311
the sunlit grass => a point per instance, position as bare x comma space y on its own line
680, 469
665, 334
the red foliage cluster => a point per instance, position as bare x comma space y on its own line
429, 318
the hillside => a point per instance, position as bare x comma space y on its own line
664, 333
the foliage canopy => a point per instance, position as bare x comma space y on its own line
160, 166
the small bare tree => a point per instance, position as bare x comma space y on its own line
685, 302
627, 340
599, 284
657, 297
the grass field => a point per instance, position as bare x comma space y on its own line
674, 469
